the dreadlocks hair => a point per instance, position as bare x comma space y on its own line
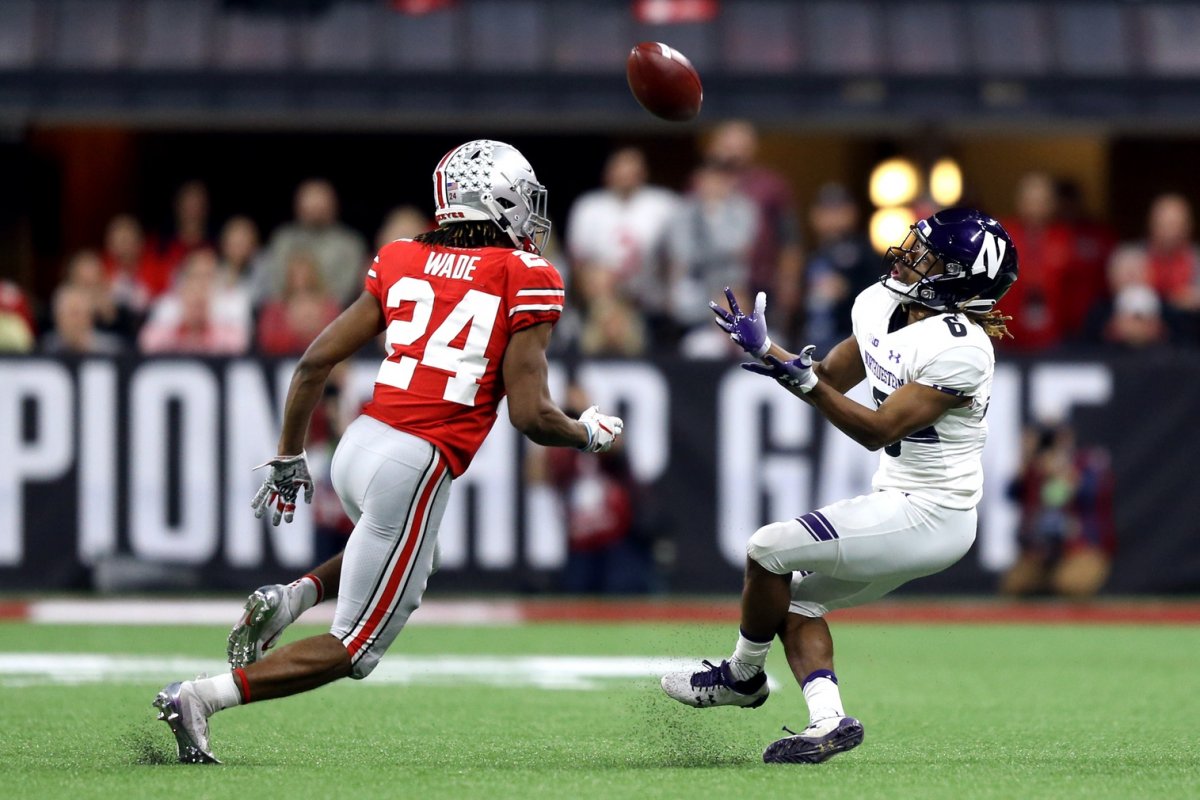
465, 235
992, 322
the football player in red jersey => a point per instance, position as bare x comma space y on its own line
467, 310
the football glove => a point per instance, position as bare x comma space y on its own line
748, 332
602, 430
795, 374
289, 474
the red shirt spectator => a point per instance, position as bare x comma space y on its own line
138, 275
1041, 303
288, 324
1173, 259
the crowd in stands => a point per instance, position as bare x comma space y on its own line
640, 261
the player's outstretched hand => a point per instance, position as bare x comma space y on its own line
288, 475
603, 430
795, 374
749, 332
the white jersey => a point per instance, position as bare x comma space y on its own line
945, 351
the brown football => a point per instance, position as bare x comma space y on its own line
664, 81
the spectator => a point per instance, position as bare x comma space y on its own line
1173, 257
241, 262
110, 315
403, 222
1092, 244
1040, 302
137, 276
1137, 319
1128, 272
709, 245
191, 226
200, 316
776, 262
75, 331
230, 304
1066, 530
331, 525
339, 251
613, 328
614, 234
599, 499
289, 323
16, 320
841, 265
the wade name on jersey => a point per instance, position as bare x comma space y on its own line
949, 353
451, 265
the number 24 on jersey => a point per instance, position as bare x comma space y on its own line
476, 312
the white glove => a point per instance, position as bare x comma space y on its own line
603, 430
288, 475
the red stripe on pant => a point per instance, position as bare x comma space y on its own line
401, 566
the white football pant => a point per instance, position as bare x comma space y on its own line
394, 486
855, 551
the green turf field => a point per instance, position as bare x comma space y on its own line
950, 712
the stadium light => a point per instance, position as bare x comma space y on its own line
945, 182
894, 182
889, 226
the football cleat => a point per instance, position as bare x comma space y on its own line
715, 686
266, 613
182, 710
818, 742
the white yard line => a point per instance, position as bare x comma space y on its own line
540, 672
226, 612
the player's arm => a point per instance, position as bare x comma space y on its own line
342, 338
530, 407
908, 409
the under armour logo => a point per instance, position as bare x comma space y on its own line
893, 356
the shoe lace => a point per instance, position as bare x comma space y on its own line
715, 675
789, 730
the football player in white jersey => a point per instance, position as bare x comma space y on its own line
922, 339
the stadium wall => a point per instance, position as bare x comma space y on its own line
148, 462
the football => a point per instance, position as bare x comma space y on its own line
664, 81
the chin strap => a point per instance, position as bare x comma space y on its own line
977, 305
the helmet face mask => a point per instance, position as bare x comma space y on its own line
492, 181
962, 260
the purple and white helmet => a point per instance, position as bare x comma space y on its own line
489, 180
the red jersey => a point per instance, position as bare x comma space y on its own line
450, 313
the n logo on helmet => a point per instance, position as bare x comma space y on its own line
991, 254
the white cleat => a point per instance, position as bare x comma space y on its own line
266, 613
715, 686
182, 710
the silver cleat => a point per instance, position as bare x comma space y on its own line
266, 614
179, 707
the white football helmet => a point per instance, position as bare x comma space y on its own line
488, 180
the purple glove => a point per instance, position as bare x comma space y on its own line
749, 332
795, 374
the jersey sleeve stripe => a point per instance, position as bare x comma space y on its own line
536, 307
948, 390
372, 273
555, 292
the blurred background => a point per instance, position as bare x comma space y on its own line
191, 189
